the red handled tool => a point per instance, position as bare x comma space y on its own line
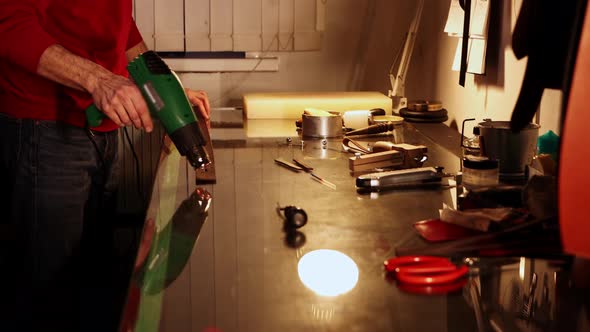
425, 270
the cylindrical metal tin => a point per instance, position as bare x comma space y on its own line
513, 150
322, 126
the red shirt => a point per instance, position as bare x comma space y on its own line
98, 30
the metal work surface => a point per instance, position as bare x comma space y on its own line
243, 272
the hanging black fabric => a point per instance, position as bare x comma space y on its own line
543, 33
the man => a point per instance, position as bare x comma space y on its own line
56, 177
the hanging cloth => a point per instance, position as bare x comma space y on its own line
543, 32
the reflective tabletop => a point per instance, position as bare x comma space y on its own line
218, 257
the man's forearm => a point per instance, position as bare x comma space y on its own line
64, 67
115, 95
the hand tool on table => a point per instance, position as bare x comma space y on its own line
350, 145
419, 274
373, 129
167, 101
384, 155
288, 165
300, 166
309, 170
368, 162
424, 270
413, 177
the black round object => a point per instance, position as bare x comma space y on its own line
294, 238
377, 111
426, 120
405, 112
295, 217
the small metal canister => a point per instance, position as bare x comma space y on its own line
322, 126
480, 172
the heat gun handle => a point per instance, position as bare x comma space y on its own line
94, 116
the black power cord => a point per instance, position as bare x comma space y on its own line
130, 250
137, 173
90, 135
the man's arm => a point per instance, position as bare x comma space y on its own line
22, 38
116, 96
27, 45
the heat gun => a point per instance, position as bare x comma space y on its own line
167, 101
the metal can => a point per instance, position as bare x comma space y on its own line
480, 172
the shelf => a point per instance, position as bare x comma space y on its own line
270, 64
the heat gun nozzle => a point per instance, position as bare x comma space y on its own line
198, 157
190, 143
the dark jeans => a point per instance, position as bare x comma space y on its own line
56, 195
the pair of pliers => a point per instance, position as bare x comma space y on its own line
424, 270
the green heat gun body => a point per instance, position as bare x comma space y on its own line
167, 101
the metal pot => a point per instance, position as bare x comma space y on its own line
322, 126
512, 150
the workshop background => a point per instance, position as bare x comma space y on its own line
322, 45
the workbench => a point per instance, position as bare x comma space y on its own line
236, 268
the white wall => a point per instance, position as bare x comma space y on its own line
356, 33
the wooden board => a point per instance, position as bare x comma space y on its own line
290, 105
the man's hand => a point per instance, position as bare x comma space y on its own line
120, 99
199, 98
115, 95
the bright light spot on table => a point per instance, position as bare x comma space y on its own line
328, 272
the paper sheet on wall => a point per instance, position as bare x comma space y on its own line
478, 26
454, 25
476, 56
478, 31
